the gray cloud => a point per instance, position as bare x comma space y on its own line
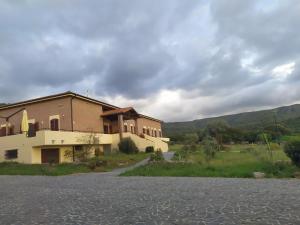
217, 56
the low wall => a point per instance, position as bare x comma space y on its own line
142, 143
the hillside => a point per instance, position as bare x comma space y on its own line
288, 115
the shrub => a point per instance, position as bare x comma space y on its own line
157, 156
189, 148
149, 149
180, 156
95, 162
127, 146
292, 150
210, 148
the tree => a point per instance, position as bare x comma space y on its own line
89, 147
276, 131
292, 150
210, 148
191, 138
217, 129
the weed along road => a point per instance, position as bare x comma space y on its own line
105, 198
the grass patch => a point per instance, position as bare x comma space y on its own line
114, 161
236, 161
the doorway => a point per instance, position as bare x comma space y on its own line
50, 155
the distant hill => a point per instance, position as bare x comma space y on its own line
288, 115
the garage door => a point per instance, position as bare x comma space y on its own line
50, 155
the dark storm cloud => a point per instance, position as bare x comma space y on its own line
218, 56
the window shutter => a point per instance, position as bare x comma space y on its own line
37, 126
54, 124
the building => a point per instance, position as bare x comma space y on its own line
64, 122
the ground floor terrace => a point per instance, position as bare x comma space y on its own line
105, 198
48, 146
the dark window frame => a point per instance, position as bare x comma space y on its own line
54, 124
11, 154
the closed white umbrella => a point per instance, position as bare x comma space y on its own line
24, 125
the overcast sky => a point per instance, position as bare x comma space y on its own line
172, 59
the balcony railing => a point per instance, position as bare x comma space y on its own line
48, 137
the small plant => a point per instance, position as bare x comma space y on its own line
127, 146
149, 149
180, 156
210, 148
95, 162
157, 156
292, 150
269, 149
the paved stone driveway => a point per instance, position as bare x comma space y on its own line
108, 199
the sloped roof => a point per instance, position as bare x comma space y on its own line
118, 111
60, 95
75, 95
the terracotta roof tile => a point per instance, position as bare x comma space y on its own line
117, 111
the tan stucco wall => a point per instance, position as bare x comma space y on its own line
158, 143
20, 142
37, 159
86, 116
41, 112
29, 148
142, 143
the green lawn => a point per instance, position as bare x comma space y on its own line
237, 161
113, 161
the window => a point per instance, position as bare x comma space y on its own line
33, 128
144, 130
148, 131
106, 129
11, 130
2, 131
132, 129
78, 148
155, 133
125, 128
159, 133
11, 154
54, 124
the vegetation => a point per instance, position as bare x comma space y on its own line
85, 152
99, 164
292, 149
233, 161
243, 126
127, 146
210, 148
157, 156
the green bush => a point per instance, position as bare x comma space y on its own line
149, 149
95, 162
127, 146
292, 150
210, 148
180, 155
157, 156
